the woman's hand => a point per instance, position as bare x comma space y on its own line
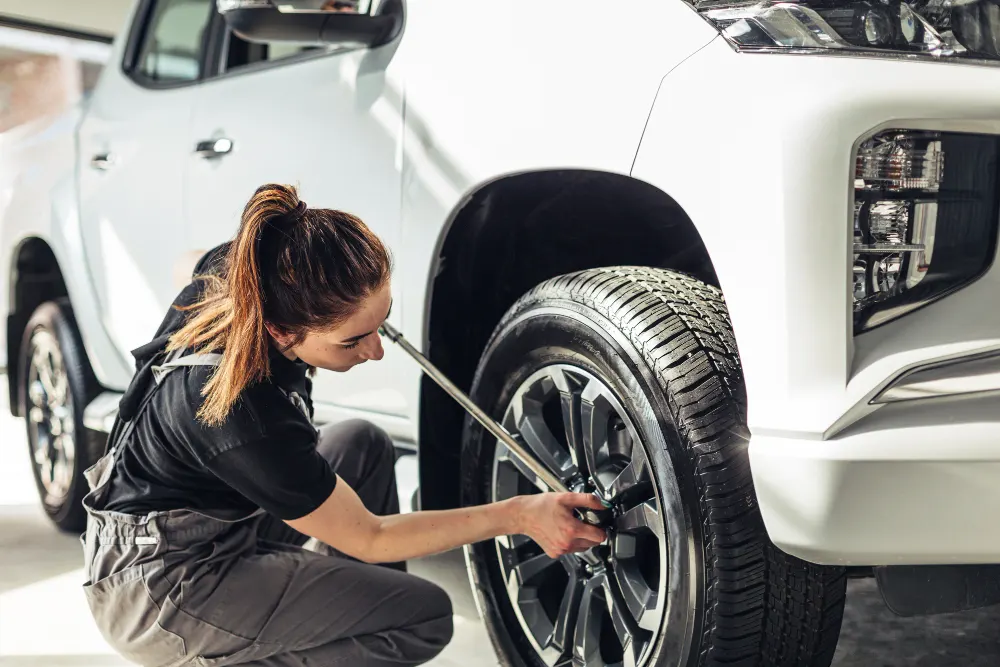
548, 519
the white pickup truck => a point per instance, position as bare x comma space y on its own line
728, 264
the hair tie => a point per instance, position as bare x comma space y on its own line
294, 215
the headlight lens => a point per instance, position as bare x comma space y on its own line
935, 28
925, 219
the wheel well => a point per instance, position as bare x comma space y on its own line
511, 235
35, 278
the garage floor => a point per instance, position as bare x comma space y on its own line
44, 621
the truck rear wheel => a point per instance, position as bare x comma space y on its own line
57, 383
627, 380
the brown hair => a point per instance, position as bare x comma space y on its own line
296, 268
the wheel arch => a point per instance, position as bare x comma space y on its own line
35, 277
504, 238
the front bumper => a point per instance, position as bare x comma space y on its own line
913, 483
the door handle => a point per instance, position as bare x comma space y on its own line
102, 161
213, 148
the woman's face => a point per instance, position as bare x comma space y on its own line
353, 342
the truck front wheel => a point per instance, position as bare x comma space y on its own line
627, 381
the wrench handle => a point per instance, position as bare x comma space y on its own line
544, 475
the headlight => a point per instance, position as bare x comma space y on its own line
925, 219
935, 28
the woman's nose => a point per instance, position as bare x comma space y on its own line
374, 351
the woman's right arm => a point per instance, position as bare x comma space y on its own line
345, 524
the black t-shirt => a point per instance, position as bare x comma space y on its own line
264, 455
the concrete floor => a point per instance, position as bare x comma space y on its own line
44, 620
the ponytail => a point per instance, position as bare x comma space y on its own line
293, 267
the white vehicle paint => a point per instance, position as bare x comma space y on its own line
756, 148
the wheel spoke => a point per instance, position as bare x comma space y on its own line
504, 455
60, 477
523, 581
36, 394
36, 415
564, 627
643, 516
641, 601
68, 446
42, 458
524, 572
43, 364
570, 404
569, 385
512, 542
625, 626
587, 634
536, 434
595, 412
631, 478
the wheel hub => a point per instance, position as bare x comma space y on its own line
603, 606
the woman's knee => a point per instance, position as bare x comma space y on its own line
356, 436
379, 442
437, 630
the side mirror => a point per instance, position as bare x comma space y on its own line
351, 22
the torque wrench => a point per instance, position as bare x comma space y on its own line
544, 475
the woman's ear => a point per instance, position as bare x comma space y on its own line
280, 337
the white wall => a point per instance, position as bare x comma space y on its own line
99, 16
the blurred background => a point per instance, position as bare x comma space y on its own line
51, 53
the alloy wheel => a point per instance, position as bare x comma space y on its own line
604, 606
50, 417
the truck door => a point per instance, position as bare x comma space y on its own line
327, 122
133, 150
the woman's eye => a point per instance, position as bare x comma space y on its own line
353, 345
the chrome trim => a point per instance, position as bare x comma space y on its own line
858, 52
956, 377
879, 248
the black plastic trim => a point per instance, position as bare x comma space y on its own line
922, 590
255, 24
58, 31
217, 54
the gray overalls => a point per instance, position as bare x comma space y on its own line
181, 587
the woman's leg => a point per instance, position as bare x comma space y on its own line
363, 456
366, 615
298, 608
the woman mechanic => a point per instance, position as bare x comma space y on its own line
198, 546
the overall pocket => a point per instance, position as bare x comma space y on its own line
211, 646
128, 619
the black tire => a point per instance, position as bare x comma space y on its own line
663, 343
54, 321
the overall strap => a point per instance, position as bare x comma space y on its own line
174, 360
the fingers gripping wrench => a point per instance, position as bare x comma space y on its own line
544, 475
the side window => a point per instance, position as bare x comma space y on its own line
241, 53
172, 46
